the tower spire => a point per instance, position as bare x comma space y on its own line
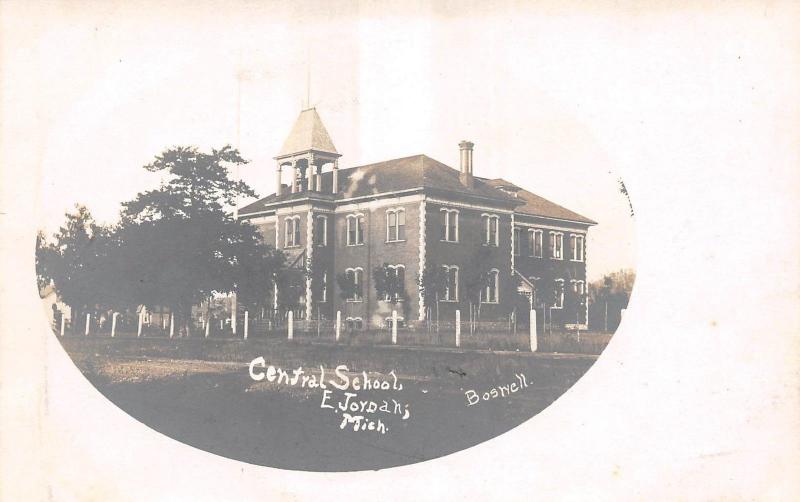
308, 85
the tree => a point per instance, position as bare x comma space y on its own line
474, 279
45, 259
198, 184
75, 261
183, 244
432, 283
347, 287
608, 296
390, 285
255, 267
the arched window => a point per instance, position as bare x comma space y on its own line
517, 241
576, 245
354, 323
449, 228
558, 294
535, 243
292, 235
396, 277
395, 225
557, 245
355, 229
490, 293
401, 322
579, 287
355, 276
451, 283
491, 224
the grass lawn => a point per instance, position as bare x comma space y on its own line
199, 391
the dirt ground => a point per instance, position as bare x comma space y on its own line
200, 392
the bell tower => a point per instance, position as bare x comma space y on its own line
306, 152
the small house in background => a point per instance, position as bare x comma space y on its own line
409, 216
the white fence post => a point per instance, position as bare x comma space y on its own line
458, 328
291, 324
114, 323
208, 326
139, 330
233, 314
88, 320
62, 323
338, 324
534, 339
245, 324
394, 327
171, 324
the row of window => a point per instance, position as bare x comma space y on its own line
355, 276
490, 294
450, 294
578, 287
533, 244
396, 225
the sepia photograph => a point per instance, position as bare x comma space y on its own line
402, 309
374, 250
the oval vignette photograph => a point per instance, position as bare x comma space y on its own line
311, 260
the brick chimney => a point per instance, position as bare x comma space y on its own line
466, 164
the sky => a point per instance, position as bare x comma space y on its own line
122, 84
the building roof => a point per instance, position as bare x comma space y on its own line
535, 205
407, 173
308, 134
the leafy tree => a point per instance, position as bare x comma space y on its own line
182, 244
73, 261
347, 289
198, 184
45, 256
432, 284
474, 280
390, 286
175, 246
608, 296
255, 267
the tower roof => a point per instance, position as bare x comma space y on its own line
308, 134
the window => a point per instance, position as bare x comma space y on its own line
292, 238
401, 322
517, 241
451, 283
489, 294
576, 245
354, 323
580, 290
321, 231
491, 224
535, 243
395, 225
355, 276
556, 245
324, 293
355, 229
449, 231
396, 276
558, 294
